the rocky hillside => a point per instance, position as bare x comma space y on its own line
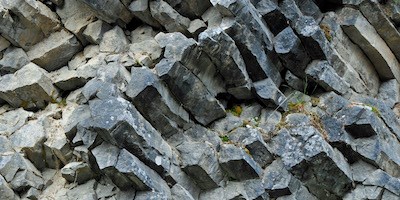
199, 99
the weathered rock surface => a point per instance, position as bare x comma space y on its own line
173, 99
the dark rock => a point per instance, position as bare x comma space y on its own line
187, 88
185, 50
291, 51
269, 94
254, 142
322, 73
233, 68
110, 11
272, 15
152, 98
13, 60
199, 160
259, 62
77, 172
141, 10
237, 163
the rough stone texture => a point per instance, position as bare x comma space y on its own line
110, 11
30, 87
94, 31
169, 17
61, 45
291, 51
364, 35
25, 23
382, 24
187, 87
199, 160
216, 99
156, 103
237, 163
228, 62
322, 73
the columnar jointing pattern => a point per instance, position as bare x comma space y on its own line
199, 99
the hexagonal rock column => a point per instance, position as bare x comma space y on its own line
304, 151
199, 160
118, 122
55, 51
30, 87
127, 171
364, 35
229, 62
190, 91
156, 103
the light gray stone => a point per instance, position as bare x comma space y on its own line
169, 17
196, 27
77, 172
228, 62
199, 160
374, 13
237, 163
156, 103
29, 139
13, 60
31, 22
389, 92
212, 17
94, 31
187, 88
180, 193
110, 12
55, 51
179, 48
68, 80
29, 87
322, 73
351, 54
364, 35
141, 10
114, 41
269, 94
13, 120
76, 16
85, 191
364, 192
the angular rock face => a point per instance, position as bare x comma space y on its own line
30, 87
55, 51
186, 89
194, 99
364, 35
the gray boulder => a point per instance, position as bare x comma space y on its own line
77, 172
237, 164
389, 92
55, 51
269, 94
187, 88
33, 21
233, 68
29, 87
153, 99
322, 73
114, 41
110, 12
13, 120
4, 43
199, 160
167, 16
94, 31
127, 171
292, 52
13, 60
